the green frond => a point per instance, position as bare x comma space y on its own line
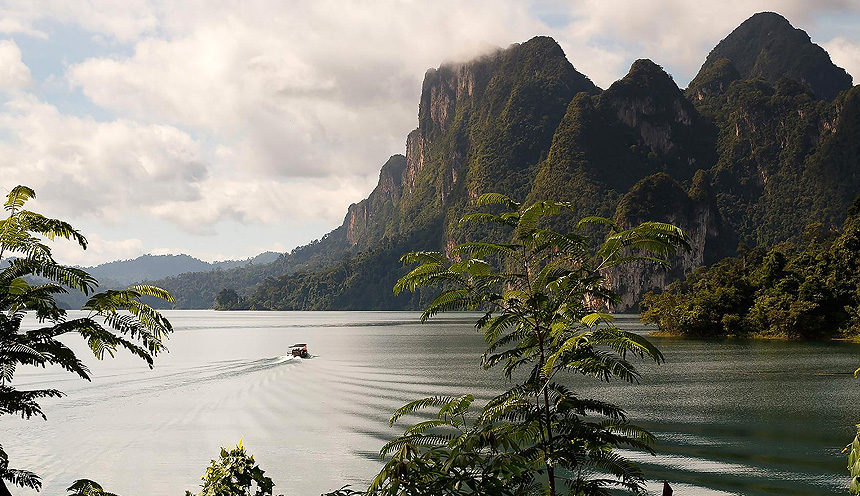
628, 473
24, 403
87, 487
619, 260
426, 275
70, 277
596, 219
487, 217
624, 342
455, 299
413, 441
420, 404
423, 257
422, 427
495, 326
51, 228
18, 197
631, 434
568, 346
481, 249
532, 215
473, 267
496, 199
457, 406
595, 318
153, 291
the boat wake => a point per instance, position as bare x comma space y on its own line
287, 358
290, 358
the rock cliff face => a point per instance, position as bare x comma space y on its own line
477, 121
667, 125
369, 218
660, 198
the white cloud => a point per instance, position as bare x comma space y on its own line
675, 33
98, 250
846, 54
123, 21
111, 170
14, 74
10, 25
309, 90
269, 202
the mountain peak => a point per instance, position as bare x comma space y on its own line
768, 18
767, 46
645, 79
648, 73
645, 66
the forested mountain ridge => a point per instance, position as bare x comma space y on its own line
752, 151
148, 267
122, 273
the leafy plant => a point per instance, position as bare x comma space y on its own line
235, 474
344, 491
16, 477
854, 457
544, 294
86, 487
853, 451
115, 319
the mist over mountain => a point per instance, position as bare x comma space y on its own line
763, 142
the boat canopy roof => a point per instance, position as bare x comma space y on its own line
298, 345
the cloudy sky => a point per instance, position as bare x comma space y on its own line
222, 129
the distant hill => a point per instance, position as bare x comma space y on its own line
151, 267
122, 273
763, 142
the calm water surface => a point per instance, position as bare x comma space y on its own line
749, 418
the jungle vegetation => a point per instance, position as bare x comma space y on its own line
804, 290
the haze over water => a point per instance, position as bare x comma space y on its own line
738, 417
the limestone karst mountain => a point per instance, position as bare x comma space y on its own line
765, 140
766, 46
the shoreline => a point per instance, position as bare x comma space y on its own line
757, 337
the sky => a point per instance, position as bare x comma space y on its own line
222, 129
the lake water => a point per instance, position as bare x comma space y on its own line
750, 418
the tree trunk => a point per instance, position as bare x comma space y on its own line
3, 490
550, 470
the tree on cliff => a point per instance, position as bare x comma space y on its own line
227, 299
115, 319
809, 290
